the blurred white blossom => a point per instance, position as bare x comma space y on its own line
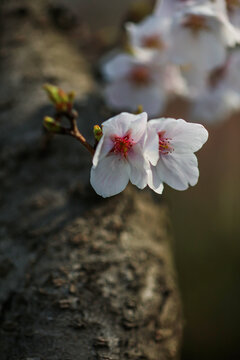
222, 96
134, 82
174, 52
214, 106
164, 9
196, 80
200, 35
150, 39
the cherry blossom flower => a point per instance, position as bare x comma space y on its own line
177, 164
150, 38
134, 82
119, 156
222, 96
200, 35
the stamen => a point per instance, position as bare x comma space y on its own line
164, 144
140, 75
153, 42
122, 145
195, 22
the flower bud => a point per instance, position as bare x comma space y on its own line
97, 131
139, 110
62, 101
51, 125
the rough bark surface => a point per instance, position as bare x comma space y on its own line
81, 277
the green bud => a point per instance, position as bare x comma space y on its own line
53, 93
139, 110
97, 131
51, 125
62, 101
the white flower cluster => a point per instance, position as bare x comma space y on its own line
146, 153
188, 48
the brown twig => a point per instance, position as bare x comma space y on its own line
74, 131
77, 135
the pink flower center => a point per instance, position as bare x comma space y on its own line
153, 42
139, 75
164, 144
122, 145
195, 22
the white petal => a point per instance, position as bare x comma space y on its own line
178, 170
151, 146
104, 146
188, 137
138, 126
163, 124
110, 176
117, 125
138, 167
174, 82
215, 106
165, 8
184, 137
118, 66
150, 26
123, 95
196, 79
154, 181
204, 50
125, 122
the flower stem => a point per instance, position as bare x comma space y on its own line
74, 131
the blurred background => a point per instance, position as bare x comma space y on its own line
205, 219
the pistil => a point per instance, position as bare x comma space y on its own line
122, 145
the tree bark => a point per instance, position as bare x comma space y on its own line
81, 277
